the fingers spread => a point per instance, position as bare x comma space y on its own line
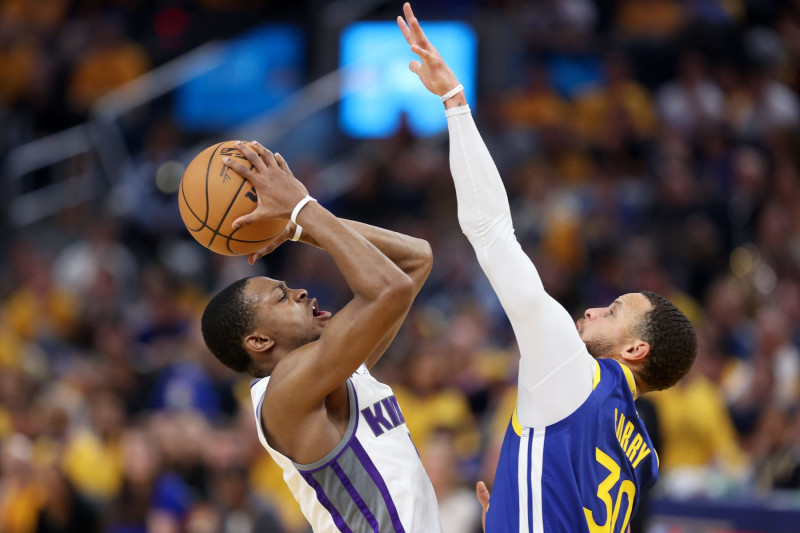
404, 29
265, 154
413, 24
242, 170
251, 155
282, 162
261, 151
422, 53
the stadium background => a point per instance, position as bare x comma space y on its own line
645, 144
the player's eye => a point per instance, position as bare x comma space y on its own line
611, 312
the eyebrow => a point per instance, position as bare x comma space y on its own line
281, 285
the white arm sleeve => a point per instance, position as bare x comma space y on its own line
556, 371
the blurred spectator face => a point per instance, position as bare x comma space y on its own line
788, 292
773, 331
750, 169
710, 362
231, 488
108, 416
605, 330
59, 493
724, 305
440, 462
423, 371
141, 457
15, 457
181, 436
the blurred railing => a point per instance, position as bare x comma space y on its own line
82, 163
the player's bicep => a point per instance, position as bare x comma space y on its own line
519, 288
555, 374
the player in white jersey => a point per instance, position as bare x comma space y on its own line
576, 455
337, 433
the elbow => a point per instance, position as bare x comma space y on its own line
425, 255
398, 294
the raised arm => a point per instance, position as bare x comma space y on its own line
382, 293
411, 255
556, 371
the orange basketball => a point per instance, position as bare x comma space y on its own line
212, 196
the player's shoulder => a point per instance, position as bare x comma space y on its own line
614, 375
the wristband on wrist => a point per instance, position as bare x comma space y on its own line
297, 232
300, 205
451, 93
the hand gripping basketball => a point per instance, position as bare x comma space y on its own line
277, 189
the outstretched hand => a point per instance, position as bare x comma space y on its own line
277, 189
434, 73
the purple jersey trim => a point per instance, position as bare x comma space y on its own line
359, 501
349, 436
369, 466
326, 503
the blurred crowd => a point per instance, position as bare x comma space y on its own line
645, 144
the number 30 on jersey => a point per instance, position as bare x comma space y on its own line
626, 488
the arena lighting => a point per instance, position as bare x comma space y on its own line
259, 70
378, 90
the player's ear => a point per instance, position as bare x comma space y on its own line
258, 342
636, 351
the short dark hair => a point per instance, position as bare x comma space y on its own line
228, 317
673, 343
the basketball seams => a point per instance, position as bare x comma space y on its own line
189, 207
239, 241
208, 169
231, 238
228, 210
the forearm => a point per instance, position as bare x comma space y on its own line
484, 213
483, 208
411, 255
367, 271
554, 363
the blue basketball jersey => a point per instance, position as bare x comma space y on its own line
581, 474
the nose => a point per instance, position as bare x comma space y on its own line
301, 294
590, 313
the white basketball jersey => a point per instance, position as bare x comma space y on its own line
373, 480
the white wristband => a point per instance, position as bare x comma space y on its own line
297, 232
300, 205
451, 93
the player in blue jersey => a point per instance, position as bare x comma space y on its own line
576, 455
336, 432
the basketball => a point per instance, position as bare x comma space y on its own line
212, 195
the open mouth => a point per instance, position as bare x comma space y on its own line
316, 312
